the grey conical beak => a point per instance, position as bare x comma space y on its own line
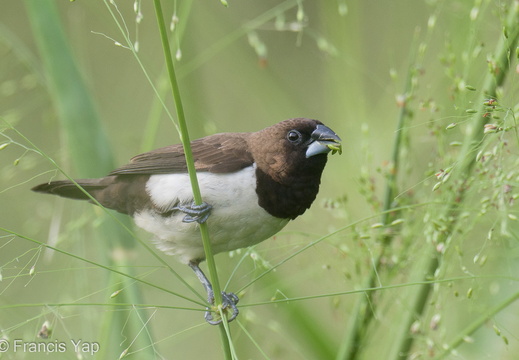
324, 140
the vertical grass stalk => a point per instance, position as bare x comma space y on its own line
191, 168
362, 317
461, 175
91, 155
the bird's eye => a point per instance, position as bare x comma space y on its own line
294, 136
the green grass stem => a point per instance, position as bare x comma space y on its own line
98, 265
480, 321
224, 332
356, 331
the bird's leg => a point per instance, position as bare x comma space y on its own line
229, 300
199, 213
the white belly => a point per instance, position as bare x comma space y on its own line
236, 219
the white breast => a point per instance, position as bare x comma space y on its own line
236, 220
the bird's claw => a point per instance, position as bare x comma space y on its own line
229, 301
199, 213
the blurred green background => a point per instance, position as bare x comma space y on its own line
354, 65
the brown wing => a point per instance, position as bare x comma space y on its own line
220, 153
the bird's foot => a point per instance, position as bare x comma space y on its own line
199, 213
229, 301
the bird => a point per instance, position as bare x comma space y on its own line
252, 185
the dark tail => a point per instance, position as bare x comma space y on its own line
68, 189
125, 194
